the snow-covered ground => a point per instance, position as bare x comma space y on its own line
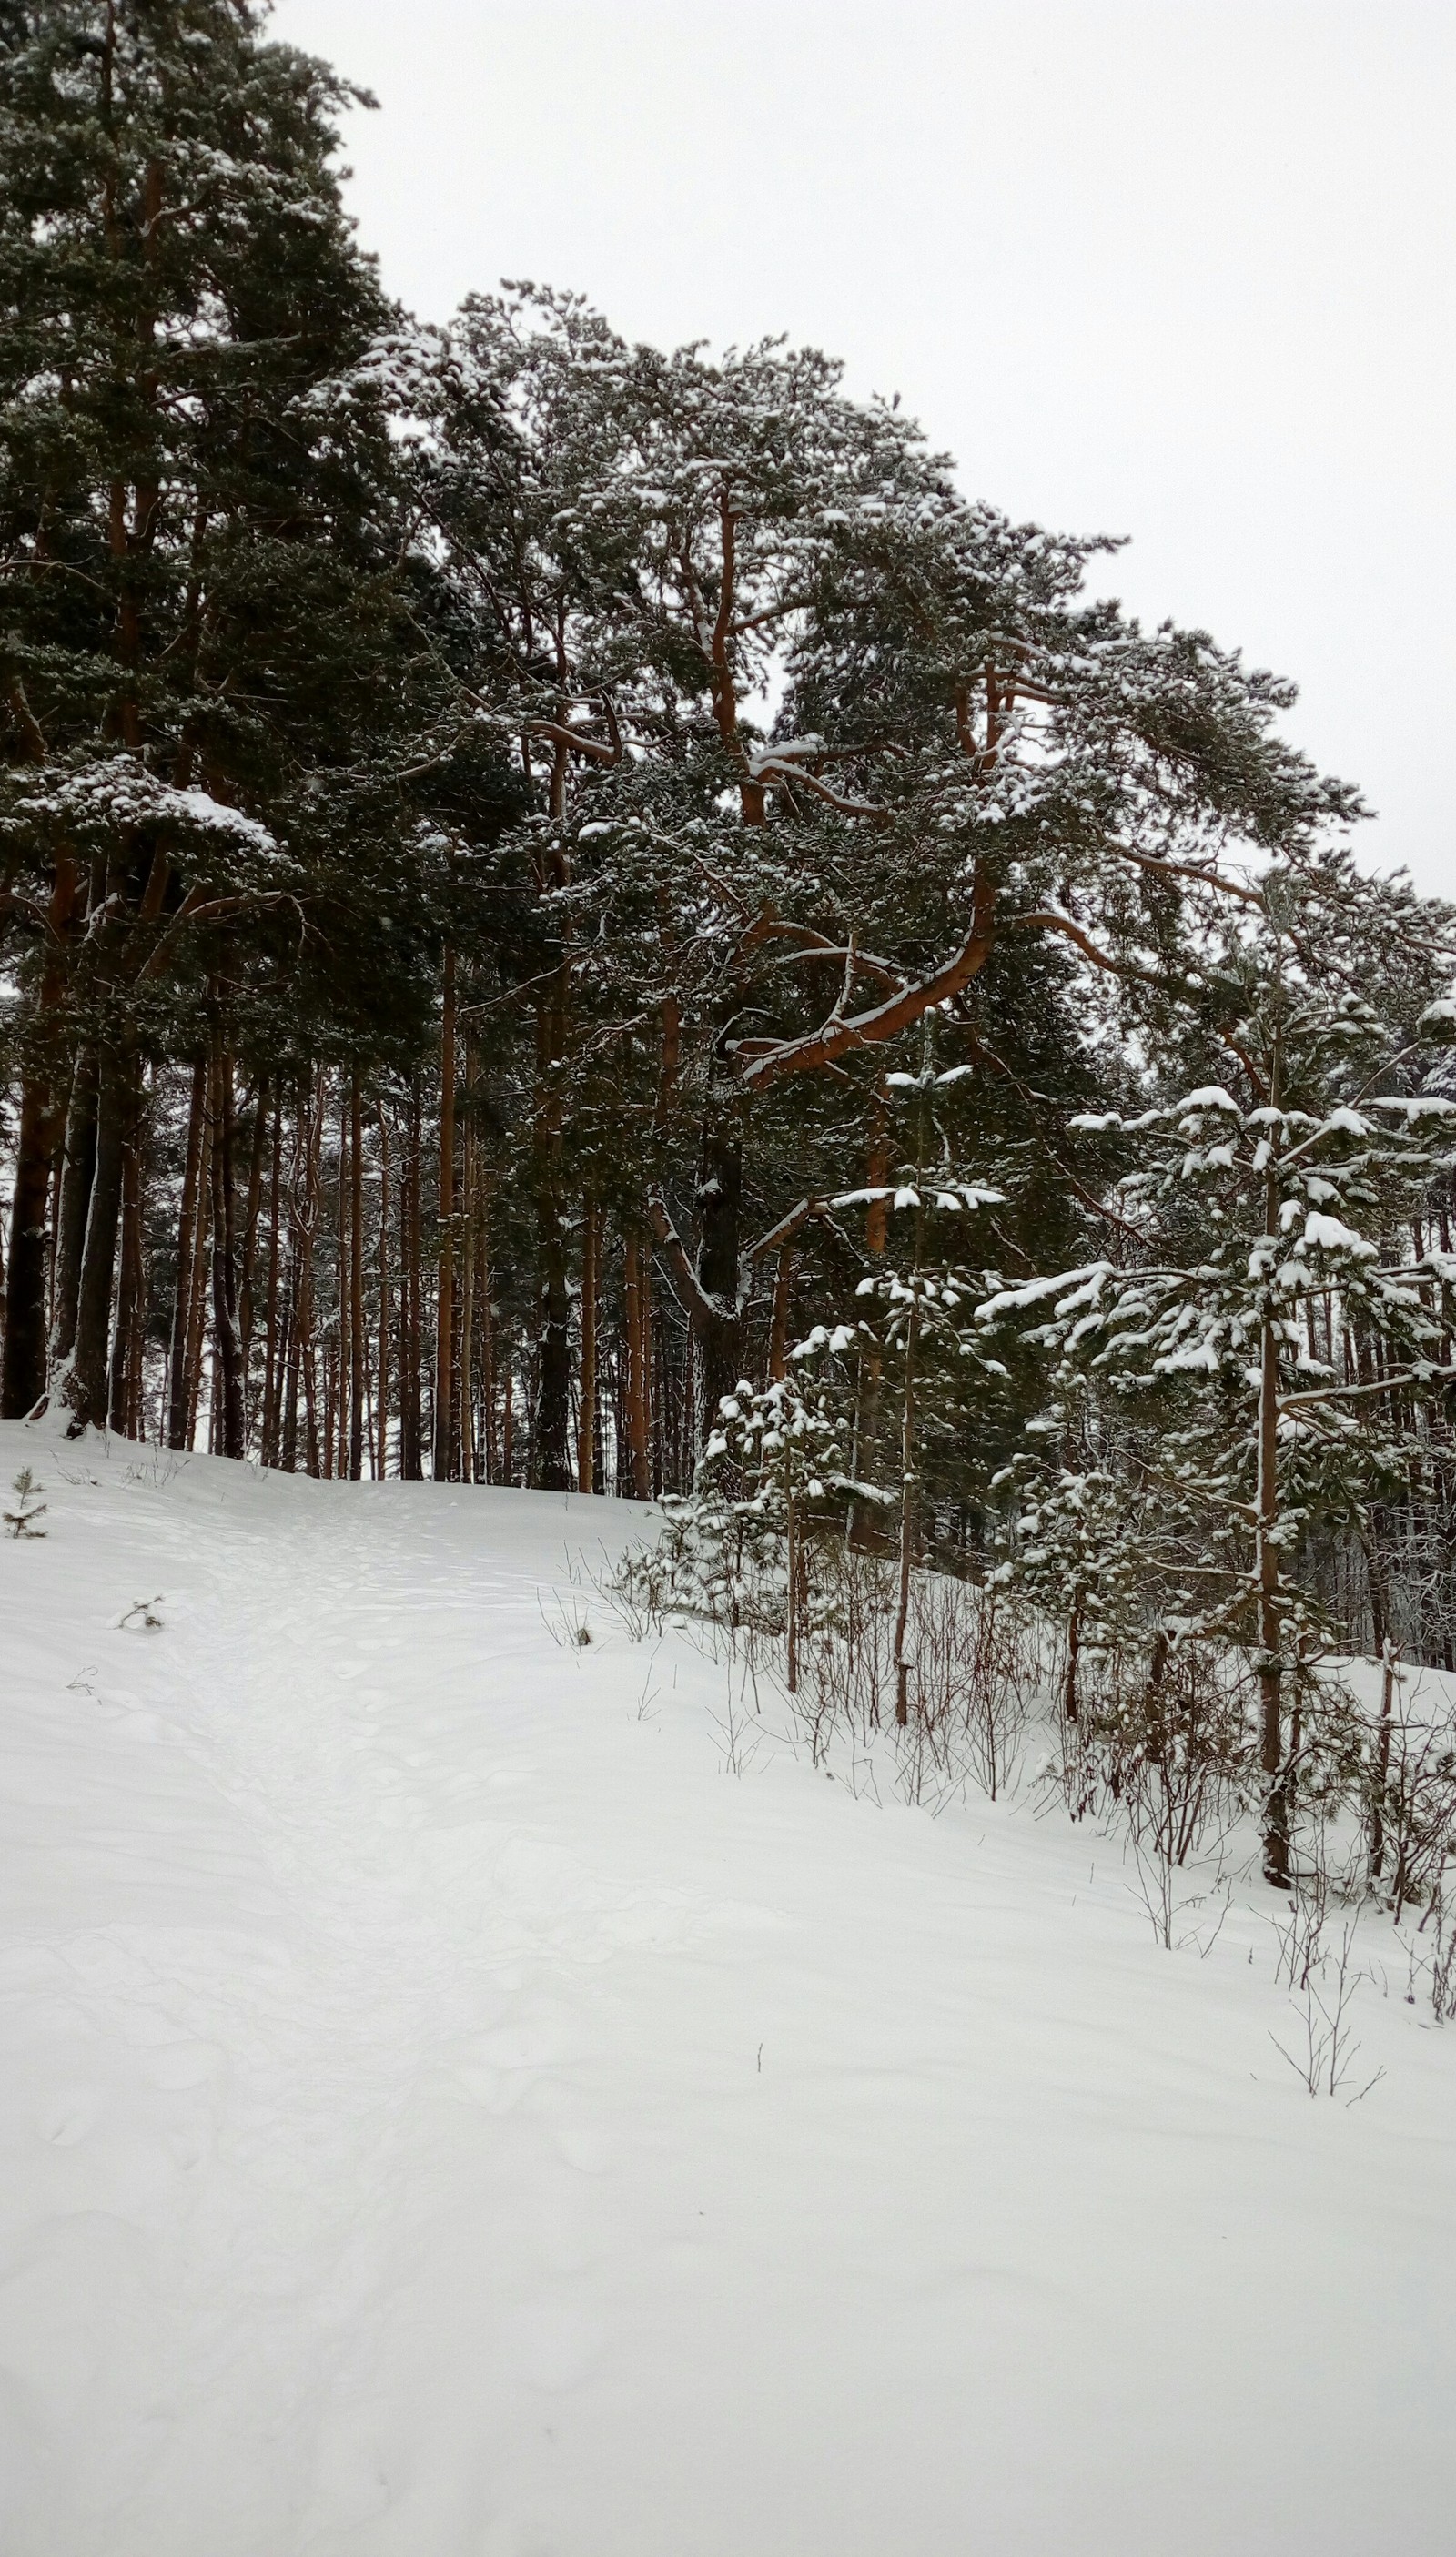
446, 2112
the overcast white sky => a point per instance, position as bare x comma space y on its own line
1183, 269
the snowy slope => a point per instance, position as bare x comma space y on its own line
444, 2112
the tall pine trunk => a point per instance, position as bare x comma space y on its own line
355, 1280
85, 1388
638, 1417
866, 1533
553, 1395
410, 1435
386, 1311
247, 1292
23, 1373
226, 1336
271, 1313
1266, 1551
78, 1172
124, 1414
586, 1415
308, 1297
187, 1245
489, 1449
197, 1316
719, 1224
908, 1515
445, 1297
468, 1296
42, 1119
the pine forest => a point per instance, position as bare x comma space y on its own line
585, 917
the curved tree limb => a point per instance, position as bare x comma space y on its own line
842, 1033
1051, 921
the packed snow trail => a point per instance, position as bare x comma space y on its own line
444, 2113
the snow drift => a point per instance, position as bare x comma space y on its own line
446, 2112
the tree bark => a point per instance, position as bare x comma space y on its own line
78, 1171
42, 1118
635, 1325
84, 1388
554, 1398
271, 1340
197, 1319
177, 1407
411, 1436
336, 1430
488, 1336
385, 1304
720, 1237
126, 1348
23, 1376
356, 1280
468, 1293
307, 1345
247, 1292
226, 1339
865, 1532
908, 1488
587, 1417
553, 1328
778, 1329
445, 1294
1266, 1561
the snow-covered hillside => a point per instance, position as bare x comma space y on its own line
445, 2111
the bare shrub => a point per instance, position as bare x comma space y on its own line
1412, 1793
640, 1588
973, 1677
1325, 2052
1300, 1934
1166, 1908
1443, 1963
1159, 1736
738, 1731
1180, 1750
566, 1622
849, 1667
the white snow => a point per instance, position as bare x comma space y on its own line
1330, 1234
446, 2112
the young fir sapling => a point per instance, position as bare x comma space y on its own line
21, 1521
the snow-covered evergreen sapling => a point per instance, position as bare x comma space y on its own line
29, 1506
916, 1311
920, 1305
1273, 1333
773, 1474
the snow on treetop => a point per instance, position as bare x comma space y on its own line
1083, 1283
790, 749
120, 793
1425, 1105
200, 809
1327, 1233
1348, 1122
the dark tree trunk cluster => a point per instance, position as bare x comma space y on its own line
298, 1266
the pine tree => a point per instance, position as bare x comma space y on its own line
1265, 1332
198, 634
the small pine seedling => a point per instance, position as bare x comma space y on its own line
21, 1521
